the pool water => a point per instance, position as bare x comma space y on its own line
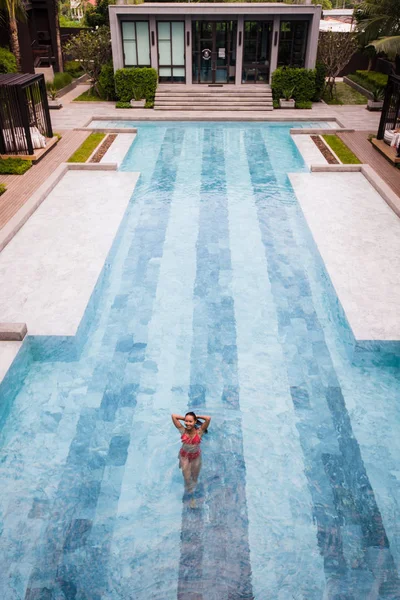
214, 300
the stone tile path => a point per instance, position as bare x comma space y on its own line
21, 187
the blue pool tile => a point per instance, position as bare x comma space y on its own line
42, 593
197, 395
118, 451
129, 394
40, 508
109, 405
229, 354
300, 397
120, 301
137, 353
125, 344
230, 396
77, 534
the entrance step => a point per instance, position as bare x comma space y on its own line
205, 98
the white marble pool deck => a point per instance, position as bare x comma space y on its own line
309, 151
119, 148
358, 237
50, 268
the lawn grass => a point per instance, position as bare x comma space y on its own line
14, 166
87, 148
344, 154
345, 95
89, 96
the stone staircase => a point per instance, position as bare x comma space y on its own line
214, 98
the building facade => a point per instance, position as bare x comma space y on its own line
202, 43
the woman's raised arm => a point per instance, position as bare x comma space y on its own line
204, 426
176, 421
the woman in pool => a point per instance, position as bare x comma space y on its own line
190, 453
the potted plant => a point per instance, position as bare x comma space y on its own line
287, 101
377, 102
52, 94
137, 101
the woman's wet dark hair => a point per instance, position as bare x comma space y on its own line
196, 420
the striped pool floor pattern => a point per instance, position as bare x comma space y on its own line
213, 301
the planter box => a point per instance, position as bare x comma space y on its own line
138, 103
372, 105
286, 103
358, 88
55, 104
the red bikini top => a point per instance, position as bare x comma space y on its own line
195, 440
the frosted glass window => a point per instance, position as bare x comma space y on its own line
130, 53
179, 71
128, 30
164, 52
143, 42
164, 31
136, 43
178, 44
164, 71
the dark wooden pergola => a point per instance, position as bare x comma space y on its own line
24, 112
390, 117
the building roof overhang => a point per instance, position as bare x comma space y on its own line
202, 8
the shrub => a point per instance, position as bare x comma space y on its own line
73, 67
320, 75
149, 104
304, 104
8, 64
128, 82
60, 80
3, 188
302, 81
123, 105
107, 82
377, 79
14, 166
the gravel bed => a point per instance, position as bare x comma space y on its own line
104, 146
326, 153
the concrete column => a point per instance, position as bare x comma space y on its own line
312, 41
153, 49
239, 50
275, 45
116, 39
188, 48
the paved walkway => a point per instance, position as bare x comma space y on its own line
77, 114
21, 187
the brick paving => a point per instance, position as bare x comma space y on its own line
359, 144
21, 187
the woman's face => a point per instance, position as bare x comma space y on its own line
189, 422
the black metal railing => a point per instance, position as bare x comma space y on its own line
24, 113
390, 117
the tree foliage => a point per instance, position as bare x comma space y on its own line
97, 16
378, 25
335, 49
93, 50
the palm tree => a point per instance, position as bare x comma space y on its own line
15, 11
379, 25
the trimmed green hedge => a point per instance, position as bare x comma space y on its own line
136, 82
123, 105
107, 82
301, 81
8, 64
320, 77
14, 166
3, 188
369, 80
377, 79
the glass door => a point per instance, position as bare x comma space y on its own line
214, 52
256, 51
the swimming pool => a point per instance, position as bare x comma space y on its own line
215, 300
